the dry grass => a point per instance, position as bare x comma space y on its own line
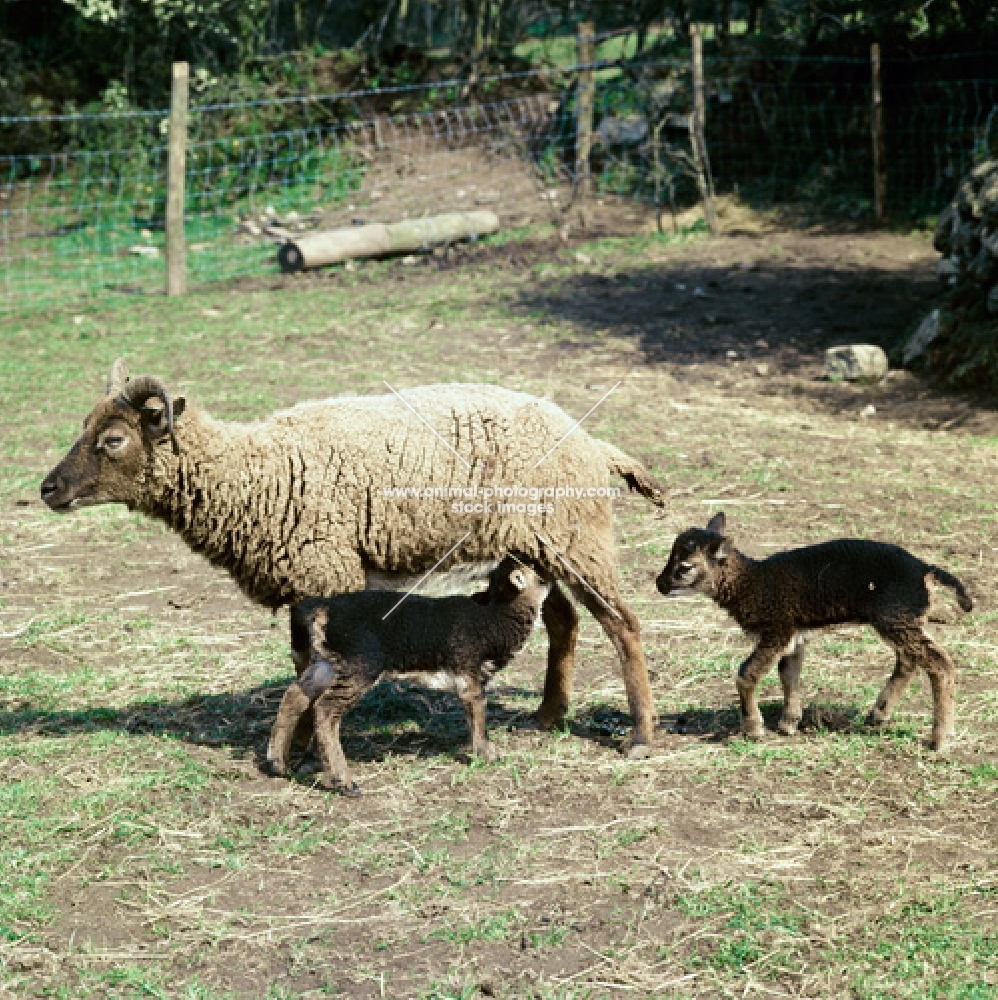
145, 855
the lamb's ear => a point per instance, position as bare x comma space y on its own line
179, 405
482, 597
518, 578
718, 549
716, 523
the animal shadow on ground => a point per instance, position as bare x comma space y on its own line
392, 718
780, 313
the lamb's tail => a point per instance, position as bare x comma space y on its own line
634, 474
949, 580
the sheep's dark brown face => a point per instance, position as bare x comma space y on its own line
108, 463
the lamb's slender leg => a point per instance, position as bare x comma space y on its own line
473, 699
562, 623
942, 676
790, 667
294, 705
300, 642
916, 648
904, 670
342, 694
623, 630
760, 661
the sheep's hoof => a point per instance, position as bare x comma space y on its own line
940, 742
788, 727
275, 768
488, 753
542, 721
335, 785
876, 718
640, 751
754, 733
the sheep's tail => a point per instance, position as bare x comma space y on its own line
634, 474
949, 580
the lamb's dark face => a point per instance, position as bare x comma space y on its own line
512, 580
695, 564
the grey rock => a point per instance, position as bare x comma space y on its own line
917, 343
856, 363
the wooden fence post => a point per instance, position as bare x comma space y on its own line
699, 136
879, 144
176, 272
586, 55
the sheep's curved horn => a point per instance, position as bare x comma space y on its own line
118, 377
146, 387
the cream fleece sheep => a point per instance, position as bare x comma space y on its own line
296, 506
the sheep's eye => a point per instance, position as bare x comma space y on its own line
686, 565
113, 442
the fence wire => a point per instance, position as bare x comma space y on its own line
88, 216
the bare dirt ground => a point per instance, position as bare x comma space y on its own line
144, 854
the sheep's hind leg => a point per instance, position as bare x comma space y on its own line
294, 705
758, 664
473, 699
562, 623
942, 676
790, 667
916, 648
883, 707
623, 630
301, 738
342, 694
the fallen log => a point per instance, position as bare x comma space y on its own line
381, 239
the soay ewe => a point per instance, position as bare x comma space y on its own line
301, 505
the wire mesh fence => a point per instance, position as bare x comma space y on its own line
87, 215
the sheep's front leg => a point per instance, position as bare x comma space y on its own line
758, 664
473, 699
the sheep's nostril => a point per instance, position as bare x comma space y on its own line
50, 487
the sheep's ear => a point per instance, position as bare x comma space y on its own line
179, 405
716, 523
482, 597
518, 578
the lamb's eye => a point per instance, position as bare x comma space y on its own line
113, 442
685, 565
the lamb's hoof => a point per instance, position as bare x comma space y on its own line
275, 768
787, 727
640, 751
754, 733
347, 788
940, 743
